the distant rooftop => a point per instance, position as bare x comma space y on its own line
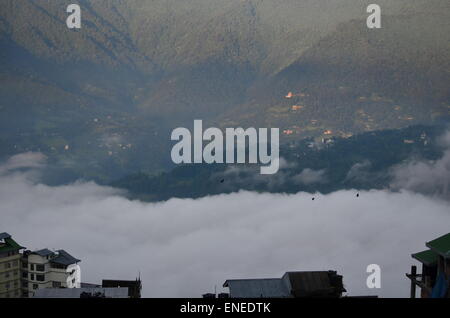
58, 257
292, 284
44, 252
64, 258
7, 244
258, 288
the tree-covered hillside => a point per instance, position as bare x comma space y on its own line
361, 162
101, 102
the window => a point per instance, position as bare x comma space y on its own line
25, 284
40, 268
31, 276
57, 266
32, 267
40, 278
24, 275
15, 263
56, 284
35, 286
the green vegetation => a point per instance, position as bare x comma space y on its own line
101, 102
360, 162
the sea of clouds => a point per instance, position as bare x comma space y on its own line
184, 247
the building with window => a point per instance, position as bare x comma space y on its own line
9, 267
49, 269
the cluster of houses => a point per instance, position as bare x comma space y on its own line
55, 274
323, 284
52, 274
433, 280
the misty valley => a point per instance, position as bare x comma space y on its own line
224, 150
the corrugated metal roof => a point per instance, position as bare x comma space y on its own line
43, 252
58, 257
64, 258
257, 288
76, 292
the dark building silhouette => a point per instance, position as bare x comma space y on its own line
318, 284
434, 280
134, 286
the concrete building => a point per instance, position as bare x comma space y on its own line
9, 267
49, 269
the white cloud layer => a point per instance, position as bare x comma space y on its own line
430, 178
182, 248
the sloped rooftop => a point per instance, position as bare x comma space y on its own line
427, 257
7, 244
441, 245
64, 258
43, 252
4, 235
292, 284
59, 257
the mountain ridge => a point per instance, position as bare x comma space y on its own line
138, 69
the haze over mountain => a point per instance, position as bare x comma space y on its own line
101, 101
